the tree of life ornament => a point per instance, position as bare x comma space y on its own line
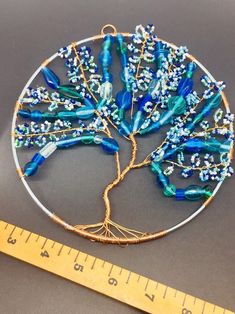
158, 93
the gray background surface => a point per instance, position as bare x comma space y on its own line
199, 258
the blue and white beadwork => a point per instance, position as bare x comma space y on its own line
158, 93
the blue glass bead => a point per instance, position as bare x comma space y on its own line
30, 168
155, 168
169, 190
177, 104
36, 115
195, 192
49, 116
212, 103
67, 115
26, 114
137, 121
124, 99
101, 103
152, 128
162, 180
124, 128
51, 78
191, 66
194, 145
109, 145
180, 194
105, 58
185, 86
87, 139
38, 158
68, 142
84, 113
70, 92
143, 100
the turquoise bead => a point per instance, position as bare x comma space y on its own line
87, 139
30, 168
195, 192
137, 121
155, 168
84, 113
109, 145
69, 91
124, 128
67, 115
26, 114
51, 78
177, 104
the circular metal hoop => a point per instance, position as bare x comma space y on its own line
84, 233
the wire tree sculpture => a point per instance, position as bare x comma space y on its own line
158, 93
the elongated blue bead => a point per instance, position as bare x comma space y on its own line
177, 104
124, 128
84, 113
36, 115
195, 192
109, 145
137, 121
68, 142
211, 104
51, 78
193, 145
30, 168
67, 115
124, 99
162, 180
26, 114
185, 86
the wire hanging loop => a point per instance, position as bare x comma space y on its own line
104, 31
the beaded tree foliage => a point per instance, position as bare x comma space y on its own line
158, 93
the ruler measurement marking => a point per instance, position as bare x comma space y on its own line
86, 258
138, 278
164, 295
6, 226
204, 304
175, 293
28, 237
93, 264
44, 244
103, 264
69, 251
156, 286
128, 277
21, 232
37, 238
146, 284
214, 308
75, 260
53, 244
12, 231
110, 270
185, 296
120, 271
60, 250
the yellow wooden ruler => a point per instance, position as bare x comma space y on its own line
99, 275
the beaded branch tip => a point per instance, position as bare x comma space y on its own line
158, 93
